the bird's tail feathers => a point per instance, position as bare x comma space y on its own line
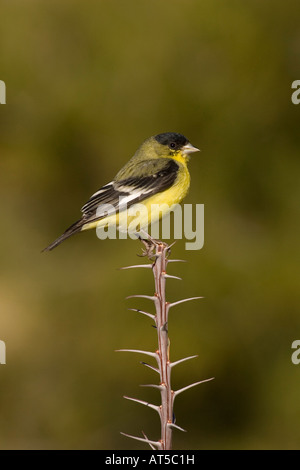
74, 228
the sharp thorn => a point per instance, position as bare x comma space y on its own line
144, 313
176, 261
145, 403
148, 353
190, 386
170, 246
152, 447
172, 364
169, 305
157, 444
175, 426
172, 277
159, 387
150, 367
137, 266
150, 297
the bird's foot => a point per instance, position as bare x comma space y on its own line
150, 245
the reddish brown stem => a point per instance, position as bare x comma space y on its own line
159, 251
161, 319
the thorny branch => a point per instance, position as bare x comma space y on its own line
159, 251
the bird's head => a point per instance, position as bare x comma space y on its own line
168, 145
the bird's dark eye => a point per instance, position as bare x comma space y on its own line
172, 145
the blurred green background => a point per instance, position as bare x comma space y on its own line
86, 84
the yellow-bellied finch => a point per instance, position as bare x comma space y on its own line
156, 174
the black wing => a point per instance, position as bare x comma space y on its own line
133, 189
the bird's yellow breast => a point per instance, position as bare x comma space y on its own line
176, 192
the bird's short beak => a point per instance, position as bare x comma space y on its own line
189, 148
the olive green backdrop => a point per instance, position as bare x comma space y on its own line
87, 82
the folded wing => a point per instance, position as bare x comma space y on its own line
133, 189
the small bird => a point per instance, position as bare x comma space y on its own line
156, 174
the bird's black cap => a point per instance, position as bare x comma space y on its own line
172, 139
